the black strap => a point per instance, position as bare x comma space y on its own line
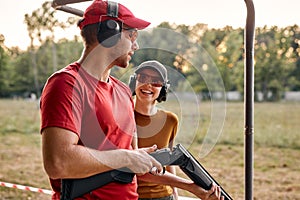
112, 9
73, 188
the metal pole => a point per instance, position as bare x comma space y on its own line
249, 98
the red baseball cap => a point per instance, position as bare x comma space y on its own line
97, 12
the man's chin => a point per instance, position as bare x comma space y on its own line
123, 63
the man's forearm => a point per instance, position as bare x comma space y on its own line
82, 162
63, 158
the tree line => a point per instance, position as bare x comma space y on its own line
188, 50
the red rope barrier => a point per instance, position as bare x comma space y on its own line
27, 188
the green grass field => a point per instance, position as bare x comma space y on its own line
276, 148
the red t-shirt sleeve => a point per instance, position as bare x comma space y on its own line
61, 103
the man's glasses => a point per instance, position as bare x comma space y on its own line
133, 33
147, 79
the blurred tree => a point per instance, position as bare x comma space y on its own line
42, 21
67, 52
273, 61
158, 44
3, 67
199, 56
294, 57
230, 59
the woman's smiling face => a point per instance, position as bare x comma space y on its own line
148, 85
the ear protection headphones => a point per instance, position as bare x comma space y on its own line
109, 31
163, 92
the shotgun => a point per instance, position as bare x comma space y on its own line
72, 188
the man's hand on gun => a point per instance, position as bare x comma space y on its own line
141, 162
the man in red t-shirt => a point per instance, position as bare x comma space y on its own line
87, 118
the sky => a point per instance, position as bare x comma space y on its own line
214, 13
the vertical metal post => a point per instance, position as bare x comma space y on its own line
249, 98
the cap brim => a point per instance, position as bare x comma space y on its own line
136, 23
153, 68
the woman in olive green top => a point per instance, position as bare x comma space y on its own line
156, 126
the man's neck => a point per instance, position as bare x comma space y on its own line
97, 66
